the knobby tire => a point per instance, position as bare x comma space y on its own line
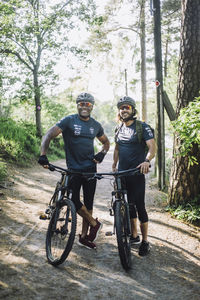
122, 234
61, 232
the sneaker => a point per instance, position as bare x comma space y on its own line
94, 231
144, 248
134, 241
86, 243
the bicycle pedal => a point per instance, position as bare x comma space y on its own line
43, 217
48, 211
109, 233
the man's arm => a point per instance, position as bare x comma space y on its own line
98, 158
51, 134
144, 167
105, 142
152, 149
115, 158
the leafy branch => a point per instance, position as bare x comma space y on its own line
187, 127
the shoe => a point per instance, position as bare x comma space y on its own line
94, 231
134, 241
86, 243
144, 248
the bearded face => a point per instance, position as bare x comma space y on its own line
126, 112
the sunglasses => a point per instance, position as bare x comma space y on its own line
126, 107
86, 104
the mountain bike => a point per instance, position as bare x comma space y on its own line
119, 208
61, 212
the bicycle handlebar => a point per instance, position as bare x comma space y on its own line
96, 175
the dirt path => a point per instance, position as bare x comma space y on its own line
171, 271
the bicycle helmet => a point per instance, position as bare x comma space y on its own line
85, 97
126, 100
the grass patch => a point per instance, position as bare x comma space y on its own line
189, 212
3, 171
18, 141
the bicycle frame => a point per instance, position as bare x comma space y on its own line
120, 194
119, 209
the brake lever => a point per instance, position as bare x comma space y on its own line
51, 168
95, 177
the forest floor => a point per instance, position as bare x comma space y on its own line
170, 271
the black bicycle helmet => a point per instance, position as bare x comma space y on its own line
85, 97
126, 100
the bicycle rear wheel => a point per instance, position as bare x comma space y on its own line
61, 233
122, 232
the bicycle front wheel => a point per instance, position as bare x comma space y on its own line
122, 232
61, 233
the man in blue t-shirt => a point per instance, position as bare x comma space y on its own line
130, 152
79, 131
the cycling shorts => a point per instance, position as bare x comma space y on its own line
135, 186
88, 189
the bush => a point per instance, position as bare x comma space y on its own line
187, 126
3, 171
189, 212
18, 141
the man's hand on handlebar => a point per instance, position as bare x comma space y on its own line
144, 167
43, 161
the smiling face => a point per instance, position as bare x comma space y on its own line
126, 112
84, 109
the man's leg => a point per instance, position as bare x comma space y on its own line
144, 230
86, 215
89, 188
85, 225
134, 227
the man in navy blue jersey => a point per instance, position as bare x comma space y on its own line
130, 153
79, 131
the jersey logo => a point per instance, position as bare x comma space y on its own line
91, 130
77, 129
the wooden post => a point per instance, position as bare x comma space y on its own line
159, 94
168, 107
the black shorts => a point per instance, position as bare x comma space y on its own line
88, 188
135, 186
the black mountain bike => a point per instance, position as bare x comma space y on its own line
62, 214
119, 208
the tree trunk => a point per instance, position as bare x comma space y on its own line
184, 181
37, 103
143, 61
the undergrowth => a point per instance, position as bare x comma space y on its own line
19, 145
189, 212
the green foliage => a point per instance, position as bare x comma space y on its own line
56, 149
189, 212
106, 114
187, 126
19, 144
3, 170
18, 141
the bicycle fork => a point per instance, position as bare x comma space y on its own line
122, 197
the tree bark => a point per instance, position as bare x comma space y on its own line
37, 103
184, 182
143, 61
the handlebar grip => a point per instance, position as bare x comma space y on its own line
51, 168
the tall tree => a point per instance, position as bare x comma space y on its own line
34, 33
171, 15
127, 31
185, 178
